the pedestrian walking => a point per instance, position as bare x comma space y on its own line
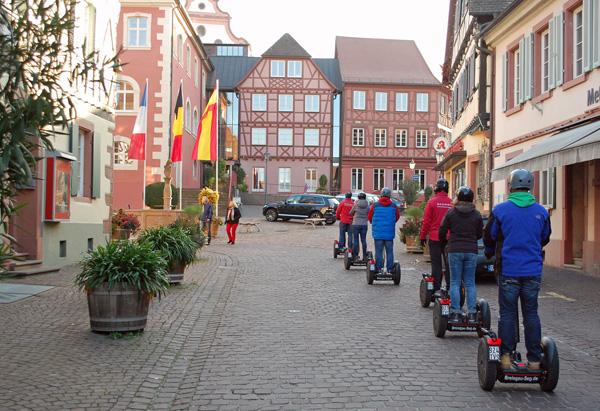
383, 216
516, 231
343, 215
206, 217
360, 225
232, 220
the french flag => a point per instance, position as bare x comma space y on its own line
137, 149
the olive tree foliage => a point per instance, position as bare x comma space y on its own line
411, 190
39, 69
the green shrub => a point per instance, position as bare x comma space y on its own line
154, 195
414, 212
173, 242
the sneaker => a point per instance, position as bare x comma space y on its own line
505, 362
533, 365
472, 317
454, 316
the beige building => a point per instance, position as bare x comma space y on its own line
546, 107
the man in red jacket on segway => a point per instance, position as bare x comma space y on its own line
435, 210
343, 215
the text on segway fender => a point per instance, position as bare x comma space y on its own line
521, 378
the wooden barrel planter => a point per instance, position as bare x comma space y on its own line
121, 234
176, 273
118, 309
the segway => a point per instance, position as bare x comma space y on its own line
350, 261
337, 250
427, 291
489, 370
384, 275
441, 322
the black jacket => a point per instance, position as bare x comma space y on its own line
465, 225
236, 216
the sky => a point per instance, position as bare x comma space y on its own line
315, 23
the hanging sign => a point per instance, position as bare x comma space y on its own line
440, 144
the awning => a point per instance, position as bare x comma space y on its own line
573, 146
451, 160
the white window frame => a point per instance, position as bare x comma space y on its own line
258, 179
380, 137
259, 136
195, 122
422, 174
378, 178
285, 137
277, 68
397, 178
311, 180
259, 102
196, 71
312, 103
285, 179
422, 102
286, 102
187, 118
358, 137
131, 92
180, 49
443, 104
517, 77
401, 101
401, 137
311, 137
380, 101
357, 179
548, 188
545, 61
578, 42
188, 60
421, 138
127, 35
294, 69
120, 151
359, 100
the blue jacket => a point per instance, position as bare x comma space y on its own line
517, 234
208, 212
383, 216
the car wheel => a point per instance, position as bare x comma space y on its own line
330, 221
315, 214
271, 215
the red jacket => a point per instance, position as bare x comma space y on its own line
435, 210
343, 211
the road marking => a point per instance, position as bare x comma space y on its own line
556, 295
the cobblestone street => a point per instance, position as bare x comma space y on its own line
274, 322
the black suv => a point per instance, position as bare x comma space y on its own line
303, 206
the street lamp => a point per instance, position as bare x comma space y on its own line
267, 156
412, 165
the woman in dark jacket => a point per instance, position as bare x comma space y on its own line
360, 225
466, 226
232, 220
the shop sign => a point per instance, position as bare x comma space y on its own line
456, 147
440, 144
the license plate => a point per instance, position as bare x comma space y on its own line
336, 246
494, 353
372, 267
429, 285
445, 309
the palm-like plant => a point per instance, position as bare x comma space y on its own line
174, 242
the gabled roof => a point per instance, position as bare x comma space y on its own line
382, 61
286, 46
487, 7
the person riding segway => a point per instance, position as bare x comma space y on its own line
345, 219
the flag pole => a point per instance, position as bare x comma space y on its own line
145, 150
180, 166
217, 114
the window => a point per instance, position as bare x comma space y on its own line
401, 102
137, 32
359, 100
259, 102
86, 171
422, 102
195, 123
188, 61
294, 69
381, 101
401, 138
196, 70
230, 50
358, 137
203, 85
121, 149
90, 29
577, 42
545, 63
547, 187
84, 158
180, 48
188, 115
421, 175
378, 178
443, 105
285, 137
285, 179
517, 76
311, 137
421, 137
258, 179
310, 179
397, 178
195, 168
259, 136
286, 102
356, 179
380, 140
277, 68
124, 95
311, 104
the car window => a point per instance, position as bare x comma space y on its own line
293, 200
312, 200
333, 202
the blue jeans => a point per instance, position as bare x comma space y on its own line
345, 228
206, 224
389, 254
462, 269
527, 289
362, 231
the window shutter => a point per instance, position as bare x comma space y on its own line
552, 53
504, 81
473, 66
559, 47
595, 33
96, 163
587, 35
74, 148
529, 67
522, 70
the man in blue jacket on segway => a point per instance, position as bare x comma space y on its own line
516, 232
383, 216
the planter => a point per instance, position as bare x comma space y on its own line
176, 273
411, 245
121, 234
410, 241
214, 229
118, 309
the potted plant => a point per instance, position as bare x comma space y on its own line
177, 246
410, 230
124, 224
120, 279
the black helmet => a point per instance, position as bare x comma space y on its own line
386, 192
465, 194
348, 194
441, 185
362, 196
520, 178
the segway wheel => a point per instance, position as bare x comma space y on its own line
397, 273
370, 255
335, 251
425, 294
370, 274
550, 365
484, 316
486, 370
346, 261
440, 322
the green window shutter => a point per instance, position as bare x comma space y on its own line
74, 148
96, 165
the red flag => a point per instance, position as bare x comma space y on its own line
206, 143
137, 149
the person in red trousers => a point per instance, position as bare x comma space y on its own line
232, 220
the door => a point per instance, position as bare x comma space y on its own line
575, 213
